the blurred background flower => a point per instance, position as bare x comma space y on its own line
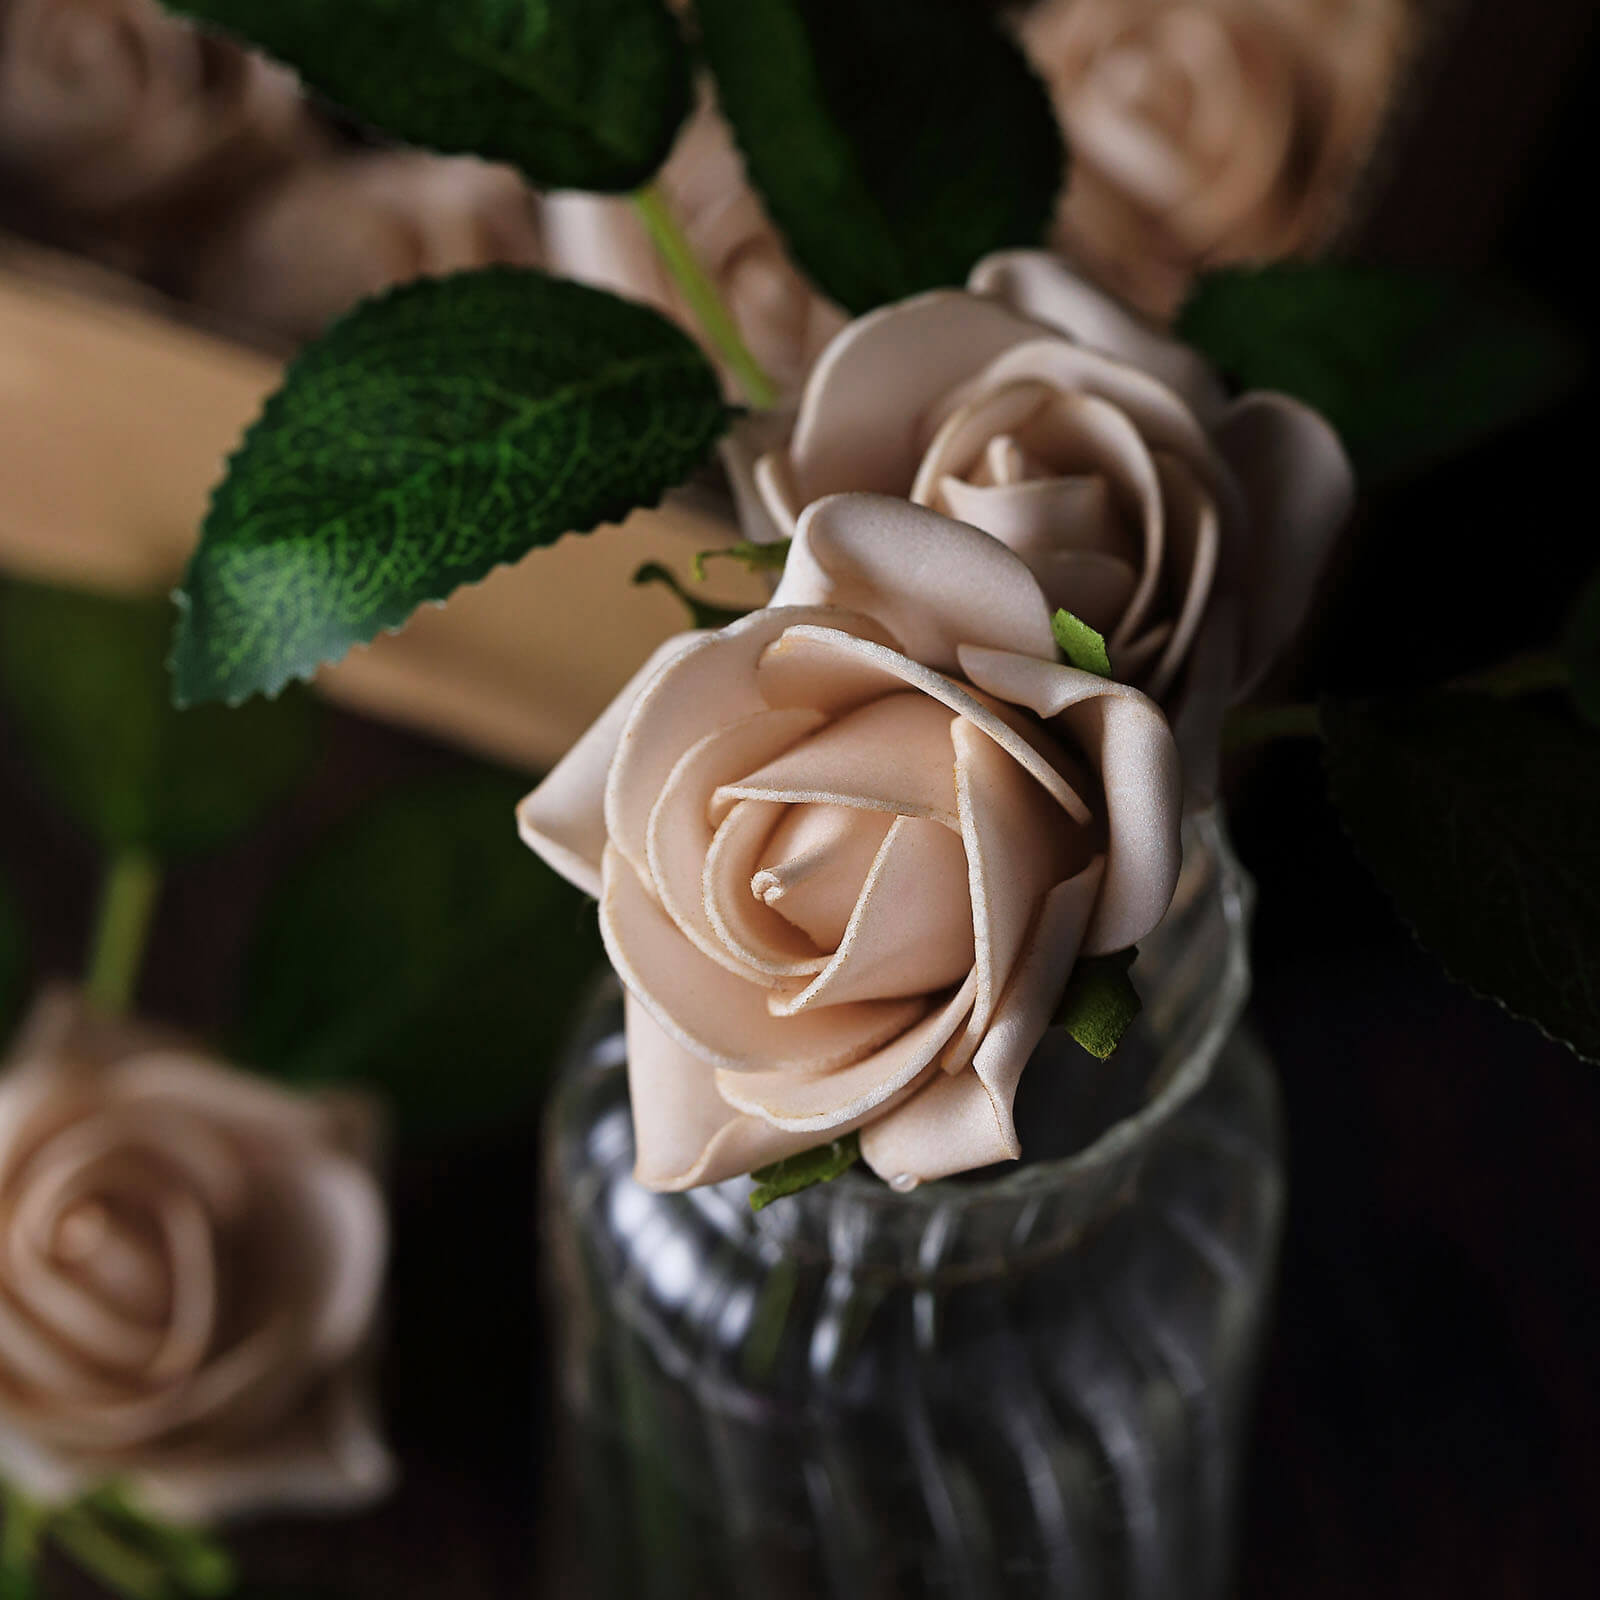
1211, 131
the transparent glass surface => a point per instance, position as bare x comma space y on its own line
1025, 1382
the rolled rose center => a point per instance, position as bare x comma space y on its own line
845, 896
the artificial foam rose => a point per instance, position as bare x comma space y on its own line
329, 233
848, 849
1186, 528
190, 1266
107, 106
1209, 131
600, 240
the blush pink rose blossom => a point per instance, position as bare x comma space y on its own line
1186, 527
848, 849
190, 1267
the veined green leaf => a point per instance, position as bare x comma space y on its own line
895, 144
430, 436
1478, 815
580, 94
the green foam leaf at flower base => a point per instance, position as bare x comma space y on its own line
580, 94
1408, 368
419, 949
1080, 644
86, 679
1479, 817
702, 613
1580, 649
753, 557
430, 436
1100, 1003
804, 1171
895, 144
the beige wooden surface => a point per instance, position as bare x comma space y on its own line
115, 420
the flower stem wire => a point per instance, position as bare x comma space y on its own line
122, 928
713, 317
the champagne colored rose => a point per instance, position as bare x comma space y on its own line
106, 105
331, 232
848, 849
1209, 131
1186, 528
601, 241
190, 1265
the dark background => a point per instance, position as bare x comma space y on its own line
1430, 1418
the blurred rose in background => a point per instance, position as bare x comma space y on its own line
1205, 132
190, 1266
185, 161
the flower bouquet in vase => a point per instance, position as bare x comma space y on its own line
912, 1191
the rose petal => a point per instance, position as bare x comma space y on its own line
563, 820
829, 1103
1129, 743
708, 684
1164, 421
815, 864
685, 1133
1194, 543
892, 755
912, 928
860, 417
957, 1123
1018, 846
766, 947
933, 583
717, 1016
1042, 519
1299, 487
1039, 285
679, 831
805, 653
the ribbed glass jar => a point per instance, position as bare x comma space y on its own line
1030, 1382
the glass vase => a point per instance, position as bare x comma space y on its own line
1027, 1382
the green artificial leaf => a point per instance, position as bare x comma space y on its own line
430, 436
895, 144
1407, 367
13, 962
1080, 644
702, 613
422, 949
1100, 1002
580, 94
804, 1171
1479, 817
751, 556
86, 677
1580, 650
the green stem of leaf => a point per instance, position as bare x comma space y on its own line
19, 1543
1248, 726
713, 317
122, 928
108, 1558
